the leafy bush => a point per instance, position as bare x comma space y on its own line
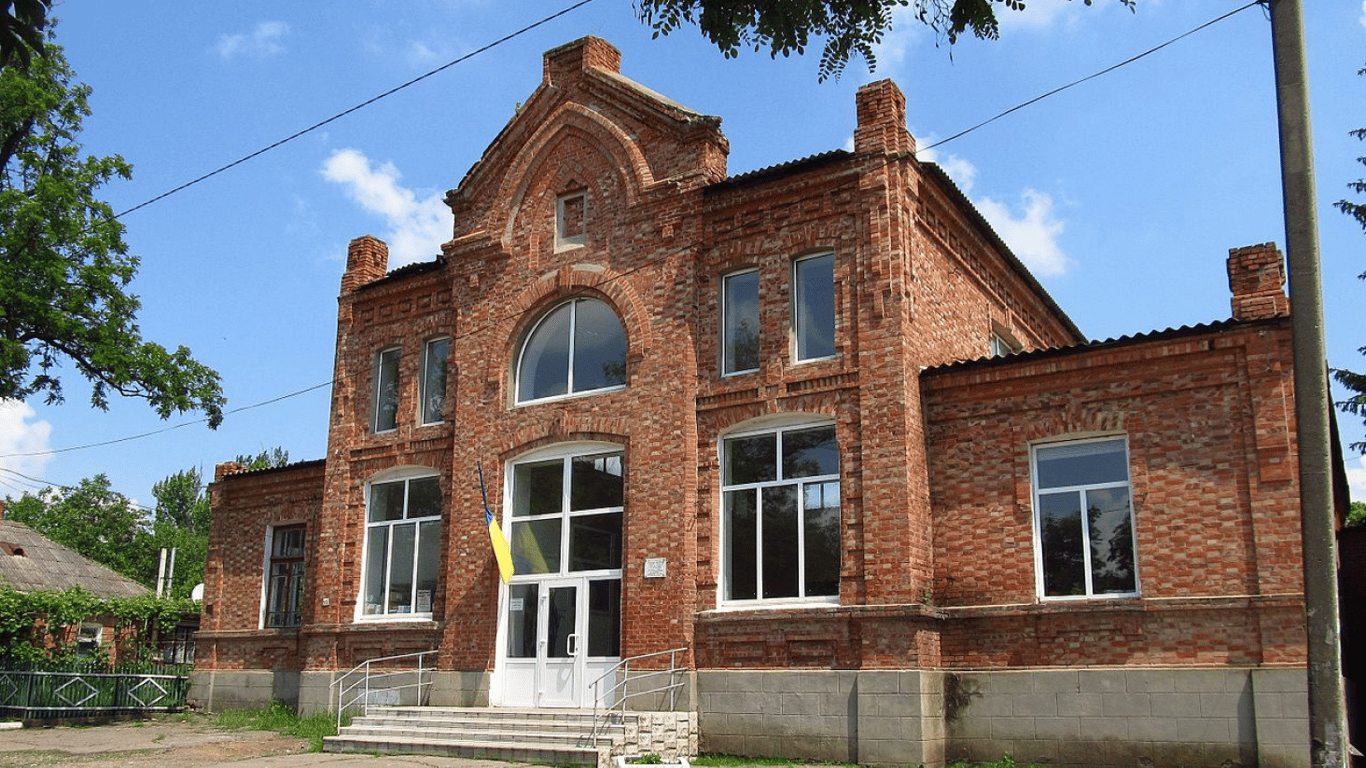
35, 627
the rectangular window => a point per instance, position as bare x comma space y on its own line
567, 514
1084, 519
434, 380
285, 577
571, 220
781, 526
386, 390
813, 307
403, 547
740, 322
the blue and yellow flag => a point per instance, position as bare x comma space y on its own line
500, 543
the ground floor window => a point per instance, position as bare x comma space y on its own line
402, 547
1084, 520
781, 514
285, 577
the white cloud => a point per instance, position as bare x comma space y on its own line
418, 227
1363, 13
1031, 230
19, 435
904, 35
262, 42
1356, 476
1032, 233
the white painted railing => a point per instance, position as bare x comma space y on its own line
372, 682
611, 699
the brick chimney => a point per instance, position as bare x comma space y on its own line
367, 259
566, 63
882, 120
1256, 275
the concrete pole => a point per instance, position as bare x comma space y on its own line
1327, 714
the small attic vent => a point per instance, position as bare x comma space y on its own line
11, 549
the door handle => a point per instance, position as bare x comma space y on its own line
572, 644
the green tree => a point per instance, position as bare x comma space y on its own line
271, 458
850, 27
94, 520
180, 524
1357, 514
64, 267
1355, 382
21, 30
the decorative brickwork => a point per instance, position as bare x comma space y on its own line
937, 531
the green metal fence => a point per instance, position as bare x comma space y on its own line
40, 694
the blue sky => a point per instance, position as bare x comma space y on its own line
1123, 194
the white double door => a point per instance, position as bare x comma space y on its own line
561, 635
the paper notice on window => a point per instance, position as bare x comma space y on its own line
424, 601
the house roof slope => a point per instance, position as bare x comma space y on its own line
30, 562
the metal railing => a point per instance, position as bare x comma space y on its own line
612, 700
36, 694
373, 682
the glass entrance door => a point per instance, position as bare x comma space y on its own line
562, 635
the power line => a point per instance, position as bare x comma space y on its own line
358, 107
494, 321
1092, 76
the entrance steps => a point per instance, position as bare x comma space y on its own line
547, 736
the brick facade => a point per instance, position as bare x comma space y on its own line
936, 535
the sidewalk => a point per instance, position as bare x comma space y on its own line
194, 743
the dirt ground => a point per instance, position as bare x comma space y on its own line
186, 742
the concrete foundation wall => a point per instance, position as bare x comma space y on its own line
1091, 718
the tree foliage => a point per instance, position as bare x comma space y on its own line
35, 627
1355, 382
849, 27
64, 267
93, 520
21, 31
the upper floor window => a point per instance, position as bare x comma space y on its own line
579, 346
285, 577
1084, 520
434, 380
813, 306
781, 515
386, 390
402, 547
571, 219
740, 322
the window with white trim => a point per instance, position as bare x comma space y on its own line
740, 322
813, 306
781, 515
285, 577
1084, 523
434, 380
402, 547
386, 390
577, 347
566, 513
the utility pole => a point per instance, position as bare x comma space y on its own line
1327, 713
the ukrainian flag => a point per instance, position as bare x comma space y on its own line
500, 542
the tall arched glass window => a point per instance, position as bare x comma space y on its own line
579, 346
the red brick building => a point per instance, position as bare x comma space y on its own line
814, 424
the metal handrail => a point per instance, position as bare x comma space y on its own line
615, 692
360, 689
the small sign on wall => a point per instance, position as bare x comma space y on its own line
656, 567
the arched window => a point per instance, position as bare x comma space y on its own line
579, 346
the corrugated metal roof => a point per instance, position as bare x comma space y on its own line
48, 566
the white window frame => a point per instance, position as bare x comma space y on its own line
570, 392
427, 380
727, 342
380, 382
765, 426
800, 318
1082, 488
565, 453
405, 475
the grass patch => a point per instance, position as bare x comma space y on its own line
280, 718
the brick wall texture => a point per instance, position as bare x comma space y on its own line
937, 542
